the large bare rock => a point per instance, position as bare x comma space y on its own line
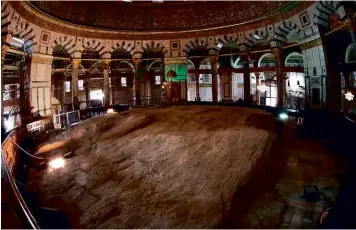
176, 167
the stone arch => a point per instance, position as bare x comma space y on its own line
25, 32
255, 37
148, 47
224, 40
266, 55
323, 11
295, 54
283, 30
67, 42
350, 54
95, 45
123, 45
6, 16
195, 44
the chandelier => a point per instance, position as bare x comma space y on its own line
349, 96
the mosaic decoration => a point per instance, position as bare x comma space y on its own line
96, 83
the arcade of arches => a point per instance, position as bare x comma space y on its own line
304, 58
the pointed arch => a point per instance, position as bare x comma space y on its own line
195, 44
67, 42
95, 45
127, 46
323, 11
283, 30
154, 46
25, 31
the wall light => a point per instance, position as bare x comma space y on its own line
19, 40
283, 116
349, 96
110, 111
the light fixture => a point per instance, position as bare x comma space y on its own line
162, 86
220, 45
57, 163
18, 40
110, 110
283, 116
255, 36
349, 96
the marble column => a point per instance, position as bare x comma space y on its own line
136, 83
106, 63
4, 49
197, 93
75, 73
257, 75
247, 82
278, 56
40, 84
214, 83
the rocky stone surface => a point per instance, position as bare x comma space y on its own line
176, 167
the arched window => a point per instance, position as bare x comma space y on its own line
294, 60
267, 60
350, 55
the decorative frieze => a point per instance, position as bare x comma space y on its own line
42, 60
40, 84
96, 83
311, 44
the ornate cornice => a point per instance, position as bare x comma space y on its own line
41, 60
311, 44
49, 23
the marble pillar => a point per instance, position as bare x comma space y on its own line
278, 56
40, 84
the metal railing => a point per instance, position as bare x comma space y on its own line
21, 208
65, 120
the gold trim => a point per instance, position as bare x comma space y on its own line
311, 44
75, 64
41, 60
175, 61
4, 49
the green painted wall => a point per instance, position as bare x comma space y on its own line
180, 69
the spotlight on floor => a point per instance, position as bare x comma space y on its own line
110, 111
57, 163
283, 116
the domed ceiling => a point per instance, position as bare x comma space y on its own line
149, 16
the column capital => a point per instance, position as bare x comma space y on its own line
75, 63
4, 49
244, 48
106, 63
275, 44
137, 62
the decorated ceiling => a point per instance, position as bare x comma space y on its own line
181, 15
